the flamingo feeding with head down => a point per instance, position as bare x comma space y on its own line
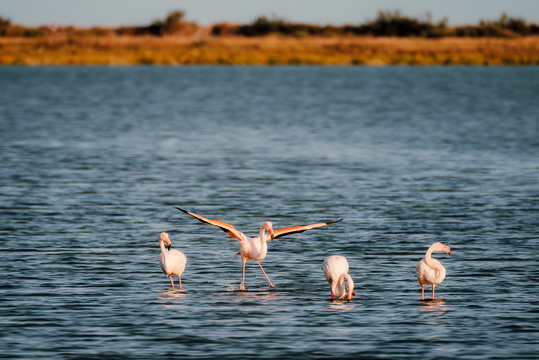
172, 261
335, 268
429, 270
256, 248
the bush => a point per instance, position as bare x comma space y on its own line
99, 31
394, 24
224, 29
386, 24
39, 31
18, 30
516, 25
4, 26
260, 27
172, 24
505, 26
263, 26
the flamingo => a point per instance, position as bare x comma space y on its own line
256, 248
172, 261
429, 270
335, 268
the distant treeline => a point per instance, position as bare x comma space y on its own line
387, 23
173, 24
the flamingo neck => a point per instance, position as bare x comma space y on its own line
350, 283
262, 238
162, 245
340, 289
428, 258
262, 234
341, 285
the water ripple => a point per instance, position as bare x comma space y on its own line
94, 160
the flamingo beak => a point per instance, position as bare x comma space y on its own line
169, 244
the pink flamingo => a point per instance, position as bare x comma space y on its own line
429, 270
255, 248
172, 261
335, 268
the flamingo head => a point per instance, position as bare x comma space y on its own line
269, 228
164, 237
441, 247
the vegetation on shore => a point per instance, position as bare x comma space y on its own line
391, 39
386, 24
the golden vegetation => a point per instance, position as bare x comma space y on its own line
391, 39
202, 48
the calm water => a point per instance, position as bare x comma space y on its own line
93, 161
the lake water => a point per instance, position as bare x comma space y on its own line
94, 160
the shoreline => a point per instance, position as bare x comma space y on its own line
276, 50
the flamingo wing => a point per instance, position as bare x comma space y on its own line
297, 229
227, 228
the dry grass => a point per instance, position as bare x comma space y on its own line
204, 49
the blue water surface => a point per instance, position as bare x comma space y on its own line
94, 160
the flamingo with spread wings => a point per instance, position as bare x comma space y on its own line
256, 248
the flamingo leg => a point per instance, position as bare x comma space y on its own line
271, 285
180, 279
171, 281
422, 292
242, 286
433, 291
